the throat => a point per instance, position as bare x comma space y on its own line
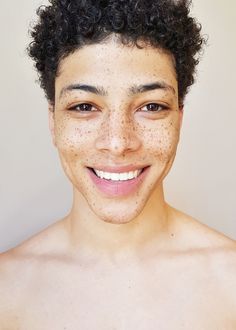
95, 237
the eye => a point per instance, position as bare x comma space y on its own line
83, 107
154, 107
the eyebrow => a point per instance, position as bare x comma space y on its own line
138, 89
133, 90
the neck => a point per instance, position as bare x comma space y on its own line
90, 234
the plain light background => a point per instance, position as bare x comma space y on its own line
33, 189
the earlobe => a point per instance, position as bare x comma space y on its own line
51, 122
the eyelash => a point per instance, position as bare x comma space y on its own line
74, 107
163, 107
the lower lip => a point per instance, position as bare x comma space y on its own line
118, 188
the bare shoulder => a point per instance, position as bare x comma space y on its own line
218, 251
49, 243
10, 289
199, 234
19, 268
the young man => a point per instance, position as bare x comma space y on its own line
115, 74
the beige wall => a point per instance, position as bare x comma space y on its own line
33, 190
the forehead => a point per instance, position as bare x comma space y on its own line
112, 64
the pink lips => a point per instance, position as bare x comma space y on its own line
118, 188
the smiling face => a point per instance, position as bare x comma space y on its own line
116, 126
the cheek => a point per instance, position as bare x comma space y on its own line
162, 141
73, 142
74, 148
71, 136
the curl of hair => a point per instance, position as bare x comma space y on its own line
67, 25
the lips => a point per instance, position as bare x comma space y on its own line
112, 185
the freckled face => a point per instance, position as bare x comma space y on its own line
116, 111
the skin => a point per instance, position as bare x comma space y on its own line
121, 262
117, 133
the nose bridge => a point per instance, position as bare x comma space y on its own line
118, 132
119, 123
119, 128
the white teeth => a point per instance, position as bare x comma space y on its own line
115, 176
118, 176
124, 176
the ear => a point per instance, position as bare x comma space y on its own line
51, 121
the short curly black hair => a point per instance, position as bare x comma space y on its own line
67, 25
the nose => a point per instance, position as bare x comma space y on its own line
118, 135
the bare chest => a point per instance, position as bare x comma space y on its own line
121, 299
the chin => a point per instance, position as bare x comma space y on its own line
117, 219
119, 215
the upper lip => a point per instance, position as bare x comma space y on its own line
118, 169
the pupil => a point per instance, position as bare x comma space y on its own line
152, 107
86, 107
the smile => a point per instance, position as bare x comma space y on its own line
123, 176
118, 182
